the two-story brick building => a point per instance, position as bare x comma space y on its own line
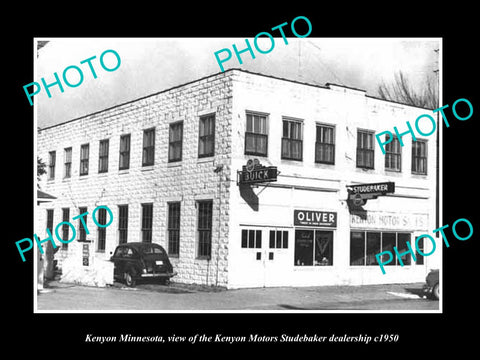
167, 166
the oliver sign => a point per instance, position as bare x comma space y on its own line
314, 218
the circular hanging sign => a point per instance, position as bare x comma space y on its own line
357, 200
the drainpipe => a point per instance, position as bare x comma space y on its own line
218, 170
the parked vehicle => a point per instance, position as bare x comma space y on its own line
138, 260
432, 286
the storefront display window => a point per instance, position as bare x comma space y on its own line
365, 245
402, 239
373, 248
313, 247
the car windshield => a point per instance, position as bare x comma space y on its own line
151, 249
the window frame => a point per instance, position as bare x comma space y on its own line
122, 224
124, 154
330, 145
65, 227
173, 228
298, 252
206, 138
67, 162
173, 144
52, 155
49, 219
424, 157
103, 148
82, 233
251, 238
252, 134
84, 159
148, 149
395, 261
204, 248
288, 140
147, 222
101, 231
365, 150
276, 241
390, 153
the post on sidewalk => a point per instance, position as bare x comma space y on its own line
39, 270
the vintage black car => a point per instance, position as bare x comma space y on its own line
138, 260
432, 285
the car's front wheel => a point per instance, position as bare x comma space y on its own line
128, 276
436, 292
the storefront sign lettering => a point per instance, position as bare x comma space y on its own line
390, 221
314, 218
377, 188
254, 172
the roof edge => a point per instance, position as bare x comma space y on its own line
326, 86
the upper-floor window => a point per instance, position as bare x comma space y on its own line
256, 135
148, 155
292, 140
124, 162
84, 154
325, 144
67, 155
393, 155
175, 142
365, 150
51, 165
103, 156
206, 136
419, 157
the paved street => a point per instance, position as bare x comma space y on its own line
180, 297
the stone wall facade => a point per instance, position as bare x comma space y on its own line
186, 181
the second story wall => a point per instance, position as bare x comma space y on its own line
345, 118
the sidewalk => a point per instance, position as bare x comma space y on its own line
180, 297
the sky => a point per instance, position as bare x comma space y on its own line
150, 65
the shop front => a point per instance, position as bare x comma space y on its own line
298, 252
316, 247
383, 231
